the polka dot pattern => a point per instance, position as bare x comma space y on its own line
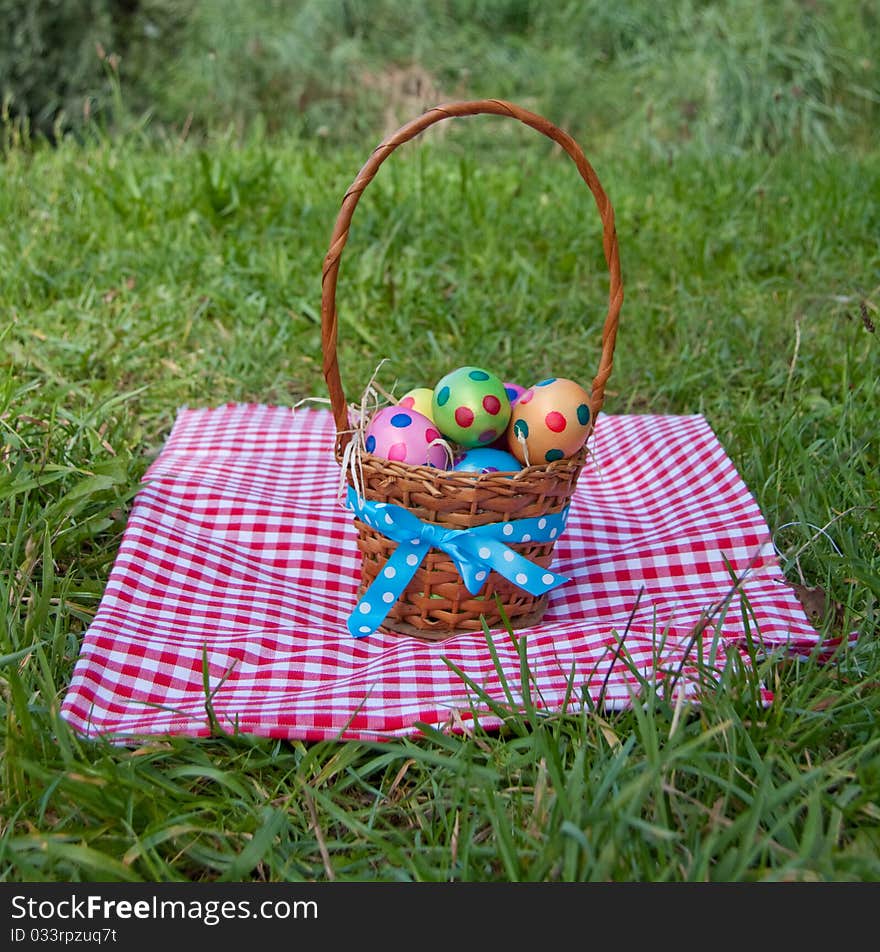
549, 422
477, 552
464, 417
555, 421
405, 436
420, 399
471, 407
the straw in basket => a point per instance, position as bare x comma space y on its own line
443, 551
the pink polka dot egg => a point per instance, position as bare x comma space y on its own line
471, 406
405, 436
550, 421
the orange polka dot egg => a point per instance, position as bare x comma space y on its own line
550, 421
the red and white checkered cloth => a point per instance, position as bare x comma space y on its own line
239, 566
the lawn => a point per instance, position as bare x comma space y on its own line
143, 272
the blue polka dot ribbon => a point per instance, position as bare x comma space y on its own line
476, 552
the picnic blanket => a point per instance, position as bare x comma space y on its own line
228, 599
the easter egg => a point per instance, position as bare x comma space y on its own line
419, 399
484, 459
403, 435
514, 391
549, 421
471, 407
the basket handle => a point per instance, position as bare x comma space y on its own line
329, 315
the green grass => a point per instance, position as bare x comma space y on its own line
729, 75
144, 278
145, 270
723, 76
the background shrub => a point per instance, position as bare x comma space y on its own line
723, 76
59, 58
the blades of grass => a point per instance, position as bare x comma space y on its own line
504, 714
8, 659
217, 728
38, 608
496, 662
357, 831
148, 862
217, 775
106, 476
83, 861
272, 821
21, 724
504, 837
526, 681
11, 486
575, 789
620, 642
323, 763
460, 764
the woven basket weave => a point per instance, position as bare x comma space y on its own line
436, 604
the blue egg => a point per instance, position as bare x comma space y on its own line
484, 459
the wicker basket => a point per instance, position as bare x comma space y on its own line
436, 604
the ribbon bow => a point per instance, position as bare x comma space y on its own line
476, 552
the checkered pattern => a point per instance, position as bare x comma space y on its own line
239, 566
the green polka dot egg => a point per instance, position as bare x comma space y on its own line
471, 407
550, 421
